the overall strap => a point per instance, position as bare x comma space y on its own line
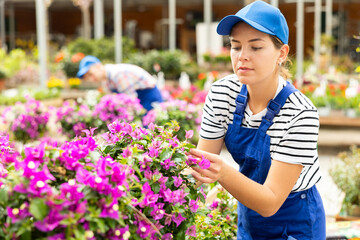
274, 105
241, 101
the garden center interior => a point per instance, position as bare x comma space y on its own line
43, 41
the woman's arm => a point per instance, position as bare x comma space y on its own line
265, 198
211, 146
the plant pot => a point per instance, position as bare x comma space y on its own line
351, 113
324, 111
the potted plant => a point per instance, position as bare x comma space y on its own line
322, 104
346, 175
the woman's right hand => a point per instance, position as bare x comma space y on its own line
208, 174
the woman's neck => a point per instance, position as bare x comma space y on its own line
261, 94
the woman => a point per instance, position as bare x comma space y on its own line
269, 128
121, 78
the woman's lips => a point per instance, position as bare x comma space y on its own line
244, 69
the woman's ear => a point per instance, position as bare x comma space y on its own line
284, 51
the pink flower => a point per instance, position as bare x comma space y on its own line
111, 210
177, 181
50, 222
193, 205
167, 163
191, 231
177, 219
189, 134
143, 229
204, 163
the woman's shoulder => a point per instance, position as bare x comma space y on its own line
229, 84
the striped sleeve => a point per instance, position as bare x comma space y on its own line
299, 143
211, 127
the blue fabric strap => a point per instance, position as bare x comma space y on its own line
274, 105
241, 101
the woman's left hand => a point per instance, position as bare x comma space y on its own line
211, 174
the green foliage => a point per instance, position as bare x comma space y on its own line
18, 95
319, 101
293, 65
70, 68
104, 48
2, 74
14, 61
218, 219
171, 63
346, 176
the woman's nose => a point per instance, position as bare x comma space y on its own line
243, 55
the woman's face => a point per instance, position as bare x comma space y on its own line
253, 55
96, 73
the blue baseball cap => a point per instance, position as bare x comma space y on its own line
261, 16
85, 65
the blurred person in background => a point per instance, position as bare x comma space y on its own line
121, 78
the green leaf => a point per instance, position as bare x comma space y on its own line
3, 197
79, 234
165, 154
25, 236
156, 188
38, 208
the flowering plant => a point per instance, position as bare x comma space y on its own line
26, 120
205, 79
117, 106
74, 82
73, 118
219, 219
187, 115
55, 82
192, 95
69, 63
131, 187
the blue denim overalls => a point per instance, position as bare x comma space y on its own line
302, 215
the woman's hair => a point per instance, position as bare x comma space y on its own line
283, 69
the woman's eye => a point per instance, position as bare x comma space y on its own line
256, 48
235, 48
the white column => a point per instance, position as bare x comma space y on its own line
299, 41
118, 30
275, 3
207, 20
317, 33
98, 19
328, 30
12, 26
2, 24
41, 40
172, 24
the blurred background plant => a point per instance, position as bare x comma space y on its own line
346, 175
55, 82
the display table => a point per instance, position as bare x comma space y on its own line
339, 131
339, 121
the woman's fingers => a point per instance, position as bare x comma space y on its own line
202, 178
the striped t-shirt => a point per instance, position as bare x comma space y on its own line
127, 78
293, 135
